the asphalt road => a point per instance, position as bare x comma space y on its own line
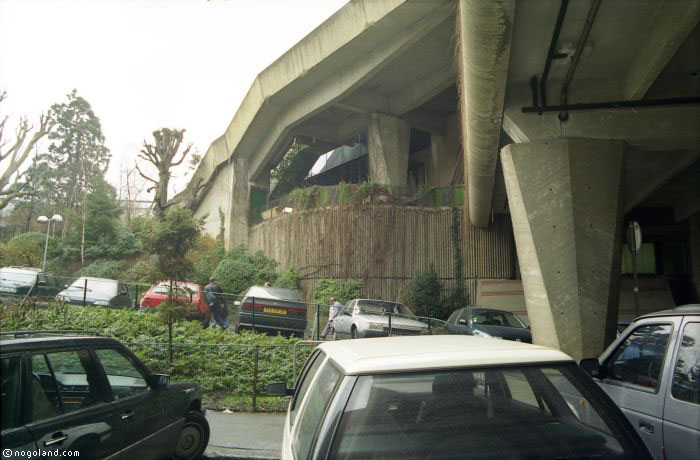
244, 435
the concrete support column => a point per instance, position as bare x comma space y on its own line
388, 141
565, 200
239, 200
694, 224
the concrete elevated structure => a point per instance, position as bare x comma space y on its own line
571, 118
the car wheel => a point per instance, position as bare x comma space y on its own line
354, 332
194, 437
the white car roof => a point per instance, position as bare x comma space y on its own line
388, 354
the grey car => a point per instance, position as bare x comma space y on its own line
488, 322
96, 291
652, 372
374, 318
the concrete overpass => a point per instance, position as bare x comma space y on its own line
580, 113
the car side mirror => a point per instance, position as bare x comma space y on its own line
463, 322
159, 382
592, 367
278, 389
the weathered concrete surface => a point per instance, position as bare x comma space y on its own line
388, 141
484, 29
239, 204
694, 239
565, 202
244, 435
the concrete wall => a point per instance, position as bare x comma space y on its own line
215, 199
386, 246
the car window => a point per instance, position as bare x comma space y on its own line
319, 396
518, 412
124, 377
639, 358
10, 376
686, 372
63, 382
453, 317
305, 378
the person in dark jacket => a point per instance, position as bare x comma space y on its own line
216, 304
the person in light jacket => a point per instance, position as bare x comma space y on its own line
333, 311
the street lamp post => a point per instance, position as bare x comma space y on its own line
47, 221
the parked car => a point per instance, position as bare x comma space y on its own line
652, 371
448, 397
90, 397
488, 322
185, 292
100, 291
20, 281
272, 310
362, 318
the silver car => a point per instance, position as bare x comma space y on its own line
652, 372
374, 318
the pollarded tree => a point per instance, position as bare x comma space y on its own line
14, 154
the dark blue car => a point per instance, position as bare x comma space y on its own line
487, 322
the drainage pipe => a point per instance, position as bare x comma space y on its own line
590, 19
484, 29
551, 52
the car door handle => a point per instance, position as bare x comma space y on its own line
646, 427
57, 438
128, 414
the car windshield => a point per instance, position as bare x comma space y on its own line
183, 290
505, 413
379, 307
17, 276
96, 285
495, 318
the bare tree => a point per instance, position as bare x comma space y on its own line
131, 188
14, 154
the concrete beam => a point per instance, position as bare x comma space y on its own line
485, 30
427, 121
342, 84
422, 90
646, 128
647, 172
672, 24
363, 101
388, 140
565, 199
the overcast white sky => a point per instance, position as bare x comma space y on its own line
146, 64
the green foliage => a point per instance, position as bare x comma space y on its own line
344, 192
77, 156
26, 249
101, 268
102, 213
240, 270
170, 240
141, 271
205, 257
423, 295
172, 311
289, 279
218, 362
365, 189
343, 290
303, 197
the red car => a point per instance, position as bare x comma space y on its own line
186, 292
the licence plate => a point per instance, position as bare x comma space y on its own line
279, 311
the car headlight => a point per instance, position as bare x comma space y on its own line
102, 302
479, 333
376, 326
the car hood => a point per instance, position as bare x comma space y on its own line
396, 321
505, 331
76, 294
16, 284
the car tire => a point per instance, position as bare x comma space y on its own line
193, 438
353, 332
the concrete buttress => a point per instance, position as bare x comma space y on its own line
565, 199
239, 203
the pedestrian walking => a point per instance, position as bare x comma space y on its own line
216, 303
333, 311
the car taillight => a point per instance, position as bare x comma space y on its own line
149, 302
248, 306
